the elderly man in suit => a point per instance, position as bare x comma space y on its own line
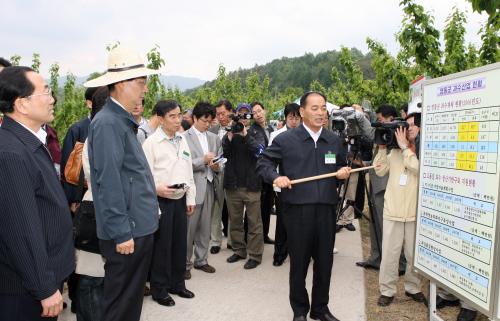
36, 234
126, 207
204, 146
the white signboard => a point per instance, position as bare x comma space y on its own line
415, 95
459, 184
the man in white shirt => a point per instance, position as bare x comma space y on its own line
204, 146
169, 158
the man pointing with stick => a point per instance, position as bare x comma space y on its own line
309, 207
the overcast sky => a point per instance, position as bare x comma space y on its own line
196, 36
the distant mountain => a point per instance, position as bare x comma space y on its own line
300, 71
181, 82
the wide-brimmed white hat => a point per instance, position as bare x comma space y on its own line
123, 63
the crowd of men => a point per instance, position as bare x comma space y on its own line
164, 190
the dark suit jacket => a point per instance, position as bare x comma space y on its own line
36, 236
298, 157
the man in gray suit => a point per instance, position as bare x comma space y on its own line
204, 146
223, 112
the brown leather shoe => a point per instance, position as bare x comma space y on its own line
384, 301
206, 268
417, 297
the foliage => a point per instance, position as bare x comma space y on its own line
71, 108
54, 76
455, 58
15, 59
36, 62
155, 86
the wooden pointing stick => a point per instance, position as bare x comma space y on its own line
313, 178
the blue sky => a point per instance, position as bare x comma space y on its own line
196, 36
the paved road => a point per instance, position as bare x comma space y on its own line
235, 294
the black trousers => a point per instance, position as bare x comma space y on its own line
169, 257
280, 243
125, 276
266, 204
311, 234
21, 308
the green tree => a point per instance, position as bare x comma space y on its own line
71, 108
54, 78
455, 58
15, 59
155, 86
472, 57
419, 39
35, 65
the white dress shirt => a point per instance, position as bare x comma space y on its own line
202, 138
315, 136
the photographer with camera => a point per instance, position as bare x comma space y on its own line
400, 206
243, 187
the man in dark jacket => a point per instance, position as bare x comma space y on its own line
243, 188
36, 240
125, 201
309, 207
267, 195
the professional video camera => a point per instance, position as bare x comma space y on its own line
345, 122
385, 133
237, 127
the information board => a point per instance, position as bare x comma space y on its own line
459, 184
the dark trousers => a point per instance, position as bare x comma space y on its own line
225, 219
311, 234
21, 308
266, 204
90, 292
169, 258
280, 243
124, 279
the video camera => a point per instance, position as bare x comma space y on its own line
385, 133
237, 127
345, 122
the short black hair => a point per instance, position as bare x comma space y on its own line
293, 109
404, 107
99, 98
344, 106
4, 62
226, 103
417, 118
303, 99
203, 108
387, 110
89, 92
255, 103
14, 84
185, 124
164, 106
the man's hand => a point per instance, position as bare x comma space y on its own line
283, 182
208, 157
343, 173
164, 191
213, 166
401, 138
126, 247
243, 132
53, 305
190, 210
74, 207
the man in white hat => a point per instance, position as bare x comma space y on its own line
126, 206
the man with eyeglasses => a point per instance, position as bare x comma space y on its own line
36, 232
126, 207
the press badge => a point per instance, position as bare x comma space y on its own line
403, 179
185, 155
330, 158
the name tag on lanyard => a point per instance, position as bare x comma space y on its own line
330, 158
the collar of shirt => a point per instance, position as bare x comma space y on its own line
315, 136
199, 133
118, 103
177, 137
41, 134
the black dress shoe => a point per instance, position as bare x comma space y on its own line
184, 293
384, 301
166, 301
327, 316
401, 272
234, 258
215, 249
466, 315
350, 227
338, 227
417, 297
251, 264
441, 303
299, 318
267, 240
278, 262
367, 265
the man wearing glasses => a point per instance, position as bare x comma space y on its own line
125, 201
36, 231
